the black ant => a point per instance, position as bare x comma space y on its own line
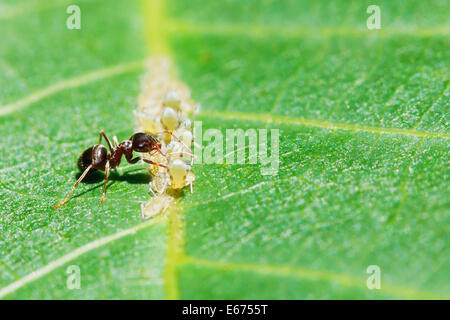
98, 158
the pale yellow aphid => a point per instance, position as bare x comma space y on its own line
186, 124
159, 183
169, 119
186, 137
151, 123
174, 148
184, 133
178, 172
177, 176
183, 106
172, 100
156, 205
180, 146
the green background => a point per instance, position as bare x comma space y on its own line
373, 192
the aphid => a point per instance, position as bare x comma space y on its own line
172, 100
186, 124
179, 103
169, 119
178, 174
175, 148
178, 170
159, 183
150, 122
156, 205
98, 158
185, 136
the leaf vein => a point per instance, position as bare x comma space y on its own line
309, 274
265, 117
39, 273
183, 27
68, 84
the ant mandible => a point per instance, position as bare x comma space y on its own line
98, 158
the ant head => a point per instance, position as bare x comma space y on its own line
144, 142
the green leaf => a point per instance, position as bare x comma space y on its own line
363, 177
59, 87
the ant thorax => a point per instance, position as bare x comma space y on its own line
126, 146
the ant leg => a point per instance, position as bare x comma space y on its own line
134, 160
102, 134
106, 180
160, 151
182, 154
154, 163
74, 186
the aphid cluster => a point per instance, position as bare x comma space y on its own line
165, 106
176, 174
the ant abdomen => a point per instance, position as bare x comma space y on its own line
85, 159
96, 156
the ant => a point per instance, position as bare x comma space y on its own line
98, 158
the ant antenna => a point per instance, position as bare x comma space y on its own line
178, 139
